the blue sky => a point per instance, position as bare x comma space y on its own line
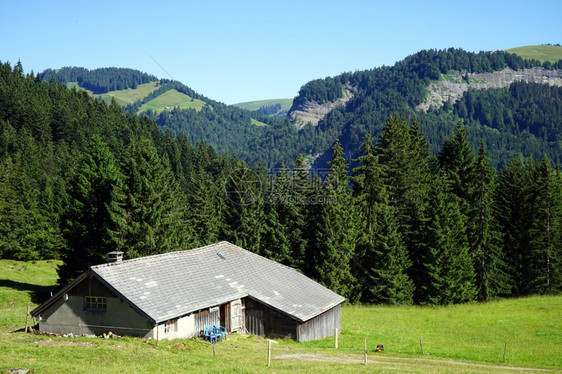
237, 50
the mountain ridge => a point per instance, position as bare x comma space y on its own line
351, 105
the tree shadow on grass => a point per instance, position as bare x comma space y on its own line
38, 293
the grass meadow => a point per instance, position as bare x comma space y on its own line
467, 338
255, 105
172, 98
542, 53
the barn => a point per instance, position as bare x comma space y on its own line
177, 294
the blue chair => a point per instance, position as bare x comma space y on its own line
210, 334
220, 330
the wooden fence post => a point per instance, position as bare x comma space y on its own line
421, 346
336, 338
26, 317
504, 350
365, 348
157, 334
269, 341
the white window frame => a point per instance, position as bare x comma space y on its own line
171, 326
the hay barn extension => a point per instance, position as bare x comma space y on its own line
177, 294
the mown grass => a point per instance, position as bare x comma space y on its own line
255, 105
474, 334
172, 98
122, 97
542, 53
532, 328
130, 95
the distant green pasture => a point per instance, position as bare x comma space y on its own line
170, 99
538, 52
255, 105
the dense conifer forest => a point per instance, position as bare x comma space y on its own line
401, 222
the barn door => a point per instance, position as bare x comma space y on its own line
235, 315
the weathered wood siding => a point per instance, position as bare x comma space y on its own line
263, 321
321, 326
206, 318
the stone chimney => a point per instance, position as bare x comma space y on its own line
114, 256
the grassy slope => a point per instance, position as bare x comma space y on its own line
129, 96
122, 97
255, 105
538, 52
473, 333
23, 283
172, 98
168, 99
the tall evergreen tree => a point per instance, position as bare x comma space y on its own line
404, 157
383, 257
286, 221
88, 223
335, 239
457, 160
484, 235
544, 273
244, 215
150, 206
448, 273
515, 210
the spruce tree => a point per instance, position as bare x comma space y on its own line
244, 211
447, 275
404, 157
284, 230
87, 222
484, 235
457, 160
205, 208
383, 257
543, 274
336, 235
150, 206
514, 207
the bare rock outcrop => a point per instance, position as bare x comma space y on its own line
312, 112
452, 85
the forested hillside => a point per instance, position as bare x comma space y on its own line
228, 129
528, 129
80, 179
100, 80
520, 120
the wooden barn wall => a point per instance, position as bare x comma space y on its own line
263, 321
91, 287
206, 318
321, 326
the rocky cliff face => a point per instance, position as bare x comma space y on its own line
312, 112
454, 84
450, 88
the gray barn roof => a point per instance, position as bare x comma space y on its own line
174, 284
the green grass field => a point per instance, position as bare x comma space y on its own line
255, 105
538, 52
172, 98
455, 339
129, 96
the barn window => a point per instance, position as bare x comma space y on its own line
96, 303
171, 326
